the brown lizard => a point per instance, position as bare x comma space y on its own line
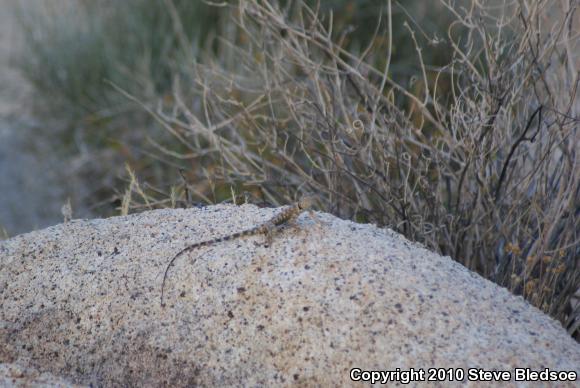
267, 228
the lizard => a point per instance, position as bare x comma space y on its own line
267, 228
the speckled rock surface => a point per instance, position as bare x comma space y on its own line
81, 301
14, 375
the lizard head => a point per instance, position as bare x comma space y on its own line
306, 202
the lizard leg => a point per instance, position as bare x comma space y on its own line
315, 218
293, 222
269, 230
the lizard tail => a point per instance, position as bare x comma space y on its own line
199, 245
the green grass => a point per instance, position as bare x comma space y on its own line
72, 51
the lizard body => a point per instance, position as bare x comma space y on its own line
267, 228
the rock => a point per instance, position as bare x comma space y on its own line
81, 301
15, 375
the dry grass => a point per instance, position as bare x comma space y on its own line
478, 159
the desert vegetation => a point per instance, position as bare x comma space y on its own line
462, 135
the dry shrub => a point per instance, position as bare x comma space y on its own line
477, 159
